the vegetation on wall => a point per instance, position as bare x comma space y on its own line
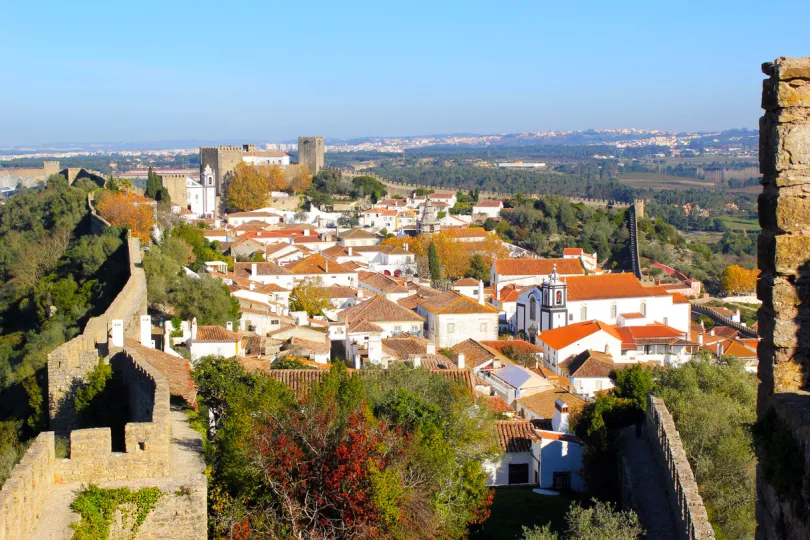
97, 508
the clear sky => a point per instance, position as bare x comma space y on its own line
268, 71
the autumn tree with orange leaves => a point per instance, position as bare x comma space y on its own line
737, 279
128, 210
250, 185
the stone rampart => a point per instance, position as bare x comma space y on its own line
783, 475
69, 363
25, 493
718, 318
685, 500
147, 435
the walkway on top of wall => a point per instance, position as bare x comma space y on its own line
186, 463
646, 487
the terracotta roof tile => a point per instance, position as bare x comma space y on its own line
542, 403
177, 370
379, 309
455, 302
357, 234
216, 334
317, 264
537, 267
475, 353
497, 405
517, 344
588, 364
244, 269
515, 435
406, 345
559, 338
595, 287
488, 204
381, 282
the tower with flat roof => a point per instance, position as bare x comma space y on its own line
310, 153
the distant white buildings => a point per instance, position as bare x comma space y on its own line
201, 196
489, 208
451, 317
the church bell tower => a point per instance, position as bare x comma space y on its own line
554, 305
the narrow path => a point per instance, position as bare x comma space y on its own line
647, 487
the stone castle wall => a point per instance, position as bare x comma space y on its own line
783, 474
222, 160
147, 435
25, 493
69, 363
685, 500
175, 184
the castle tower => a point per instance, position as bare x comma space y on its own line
310, 153
222, 160
554, 306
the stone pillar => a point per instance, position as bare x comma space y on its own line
784, 214
783, 429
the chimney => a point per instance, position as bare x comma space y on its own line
719, 349
430, 348
702, 326
460, 360
217, 223
559, 422
194, 328
229, 326
306, 232
254, 269
357, 364
252, 285
417, 361
711, 332
480, 292
350, 251
117, 333
146, 332
405, 246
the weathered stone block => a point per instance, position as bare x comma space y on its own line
792, 147
781, 94
787, 67
792, 254
792, 214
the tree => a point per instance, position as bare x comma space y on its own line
602, 521
299, 178
479, 269
124, 209
311, 297
368, 186
205, 298
250, 186
153, 184
737, 279
434, 264
633, 383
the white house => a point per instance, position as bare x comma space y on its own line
240, 218
589, 372
489, 208
213, 340
467, 286
525, 272
512, 382
451, 317
447, 198
264, 272
376, 283
357, 237
266, 157
318, 267
379, 218
567, 341
589, 260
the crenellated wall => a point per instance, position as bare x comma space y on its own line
682, 490
26, 491
783, 430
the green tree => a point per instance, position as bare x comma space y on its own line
602, 521
633, 383
479, 269
205, 298
153, 184
434, 264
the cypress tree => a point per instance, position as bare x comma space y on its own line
434, 264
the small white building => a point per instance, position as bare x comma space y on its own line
240, 218
525, 272
378, 219
266, 157
357, 237
214, 340
451, 317
589, 261
489, 208
316, 267
264, 272
201, 196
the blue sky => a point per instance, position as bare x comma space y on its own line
269, 71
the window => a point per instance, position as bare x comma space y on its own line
274, 321
558, 299
570, 317
644, 308
397, 330
518, 473
532, 308
613, 310
483, 328
561, 481
583, 313
415, 330
451, 327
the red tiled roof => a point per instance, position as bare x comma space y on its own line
537, 267
471, 232
475, 353
379, 309
466, 282
216, 334
634, 315
488, 204
678, 298
517, 344
542, 403
515, 435
559, 338
497, 405
456, 303
588, 364
176, 370
595, 287
317, 264
573, 251
244, 269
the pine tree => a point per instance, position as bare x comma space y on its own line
434, 264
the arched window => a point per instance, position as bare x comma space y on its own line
613, 310
583, 313
532, 308
558, 298
644, 308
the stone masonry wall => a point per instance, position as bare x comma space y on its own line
69, 363
685, 500
25, 493
783, 483
147, 438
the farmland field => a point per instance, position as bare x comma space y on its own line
740, 224
663, 181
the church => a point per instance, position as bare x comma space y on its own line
616, 299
